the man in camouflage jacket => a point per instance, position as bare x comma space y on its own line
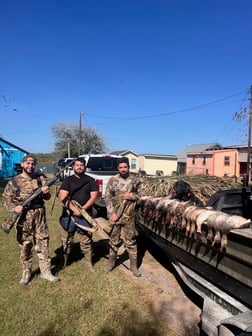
123, 187
32, 225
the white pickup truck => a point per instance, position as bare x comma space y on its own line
101, 167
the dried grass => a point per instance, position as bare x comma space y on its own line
203, 186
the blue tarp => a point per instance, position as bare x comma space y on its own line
9, 156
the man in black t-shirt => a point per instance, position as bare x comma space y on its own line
83, 189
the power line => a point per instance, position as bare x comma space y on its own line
168, 113
233, 117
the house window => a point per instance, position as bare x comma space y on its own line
204, 160
133, 164
193, 160
226, 160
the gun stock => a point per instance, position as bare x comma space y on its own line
92, 221
11, 221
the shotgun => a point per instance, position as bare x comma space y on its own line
123, 204
93, 223
11, 221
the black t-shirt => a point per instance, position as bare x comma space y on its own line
79, 188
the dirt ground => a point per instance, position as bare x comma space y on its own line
162, 291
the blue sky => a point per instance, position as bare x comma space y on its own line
151, 76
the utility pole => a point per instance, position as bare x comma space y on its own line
249, 140
68, 149
80, 132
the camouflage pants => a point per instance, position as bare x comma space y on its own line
68, 240
124, 231
33, 231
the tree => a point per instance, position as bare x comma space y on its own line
243, 117
68, 140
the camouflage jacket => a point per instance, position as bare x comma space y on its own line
114, 190
19, 188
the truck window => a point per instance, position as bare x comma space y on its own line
233, 199
102, 164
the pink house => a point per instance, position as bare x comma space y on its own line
226, 161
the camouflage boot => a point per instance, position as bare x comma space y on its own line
111, 263
133, 266
88, 261
26, 277
45, 269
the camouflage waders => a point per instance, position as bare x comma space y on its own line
127, 233
85, 246
34, 231
124, 229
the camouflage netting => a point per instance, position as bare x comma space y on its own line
203, 186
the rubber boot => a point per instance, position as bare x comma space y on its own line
133, 266
111, 263
63, 262
88, 261
45, 269
26, 277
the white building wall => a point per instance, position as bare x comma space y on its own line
131, 158
152, 165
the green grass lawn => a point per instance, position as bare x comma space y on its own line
82, 303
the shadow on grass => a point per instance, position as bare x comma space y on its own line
145, 244
131, 323
100, 249
125, 321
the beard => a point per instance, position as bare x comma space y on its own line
124, 175
28, 172
78, 173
